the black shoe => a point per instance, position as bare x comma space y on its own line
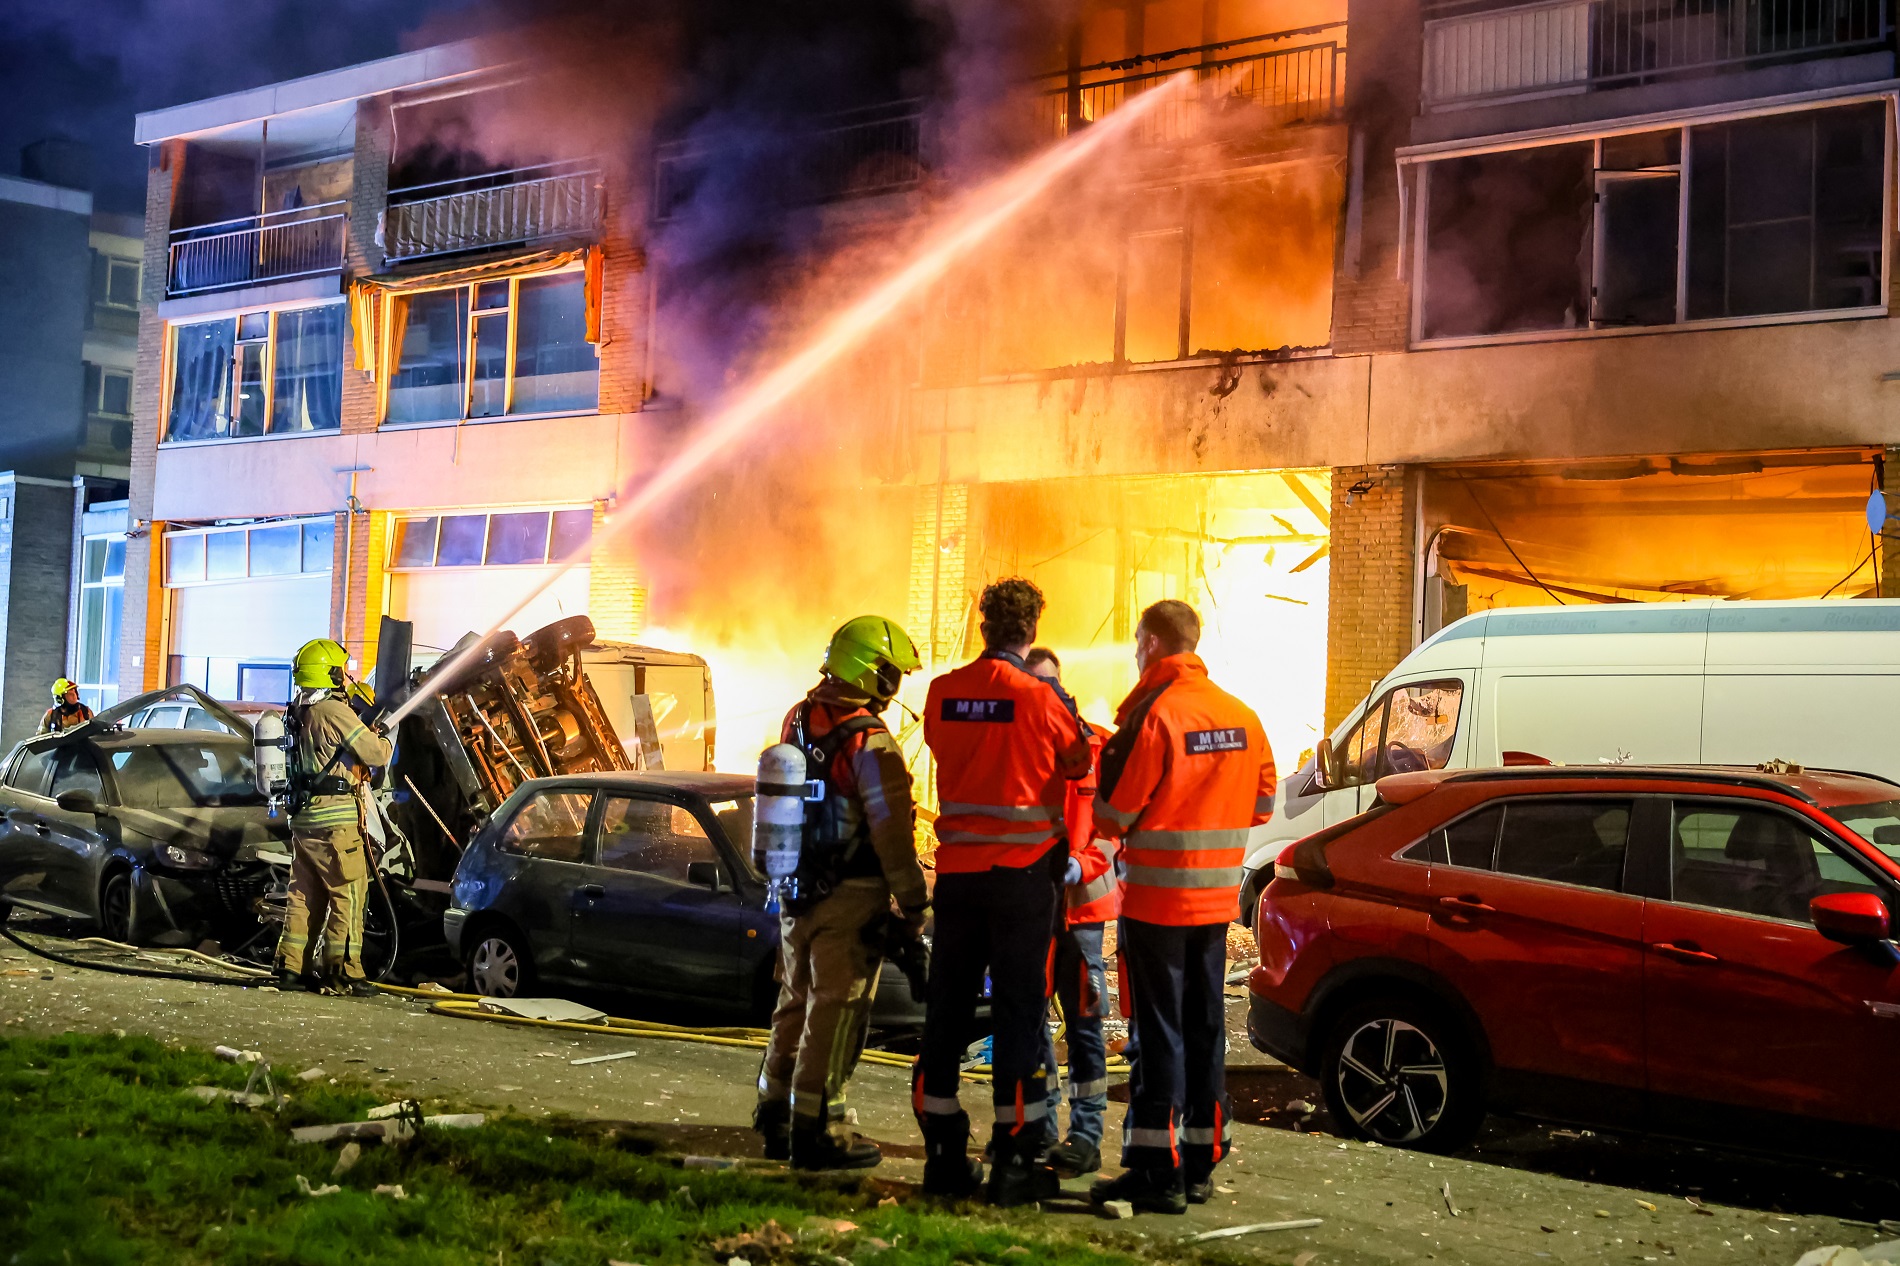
773, 1121
1017, 1179
1077, 1156
1149, 1190
1198, 1190
815, 1147
949, 1170
288, 981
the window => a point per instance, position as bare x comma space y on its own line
108, 391
1756, 861
185, 775
74, 769
552, 825
1569, 841
263, 683
261, 373
299, 547
116, 282
492, 349
1877, 823
1411, 728
1470, 842
653, 838
101, 613
30, 774
1757, 217
501, 539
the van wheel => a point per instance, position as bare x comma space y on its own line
1401, 1072
499, 965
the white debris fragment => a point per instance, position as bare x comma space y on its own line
391, 1189
1119, 1209
311, 1074
328, 1189
347, 1158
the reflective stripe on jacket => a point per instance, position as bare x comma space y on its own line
1097, 899
1198, 776
1005, 747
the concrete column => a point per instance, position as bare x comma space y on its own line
1373, 561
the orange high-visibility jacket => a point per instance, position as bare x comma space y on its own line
1097, 899
1182, 789
1004, 746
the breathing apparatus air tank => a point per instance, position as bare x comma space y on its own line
269, 755
778, 821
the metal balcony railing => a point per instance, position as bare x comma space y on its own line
504, 208
1567, 46
1302, 84
281, 245
853, 154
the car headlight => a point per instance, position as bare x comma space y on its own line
185, 858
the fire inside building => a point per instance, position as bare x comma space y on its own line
1397, 312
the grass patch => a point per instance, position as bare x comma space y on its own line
104, 1160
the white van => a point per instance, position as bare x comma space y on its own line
1705, 682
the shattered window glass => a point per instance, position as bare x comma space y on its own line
553, 825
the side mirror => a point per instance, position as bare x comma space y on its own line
1852, 918
77, 801
1326, 764
706, 875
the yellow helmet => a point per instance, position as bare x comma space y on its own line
872, 654
61, 686
319, 665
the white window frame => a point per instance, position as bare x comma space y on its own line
117, 262
96, 403
168, 371
174, 534
98, 689
547, 560
1415, 199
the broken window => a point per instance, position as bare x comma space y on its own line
1153, 305
262, 373
1263, 261
511, 347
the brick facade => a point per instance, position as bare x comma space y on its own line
1369, 614
616, 590
141, 638
1890, 539
1371, 300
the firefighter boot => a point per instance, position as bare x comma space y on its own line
814, 1146
1198, 1183
1020, 1175
1149, 1190
772, 1121
948, 1168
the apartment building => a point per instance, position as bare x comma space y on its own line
1397, 310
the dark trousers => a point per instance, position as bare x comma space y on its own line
1003, 921
1177, 1106
1082, 993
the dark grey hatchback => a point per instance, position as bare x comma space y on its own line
637, 882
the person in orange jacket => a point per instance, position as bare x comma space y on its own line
1184, 779
1005, 746
1091, 897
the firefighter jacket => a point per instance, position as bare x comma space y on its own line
873, 787
1097, 899
1005, 745
1183, 781
333, 742
64, 716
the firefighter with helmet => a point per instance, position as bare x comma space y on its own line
332, 750
857, 855
67, 713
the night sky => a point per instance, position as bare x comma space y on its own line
83, 68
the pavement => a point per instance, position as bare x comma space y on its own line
1524, 1193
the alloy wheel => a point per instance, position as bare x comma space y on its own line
115, 907
495, 969
1392, 1080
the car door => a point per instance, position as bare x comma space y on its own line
76, 843
544, 846
1748, 1005
640, 922
1411, 727
1530, 924
26, 849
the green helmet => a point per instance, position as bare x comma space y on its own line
319, 665
871, 654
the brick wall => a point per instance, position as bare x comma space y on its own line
616, 591
939, 592
1371, 302
626, 293
1890, 539
141, 654
1369, 619
369, 186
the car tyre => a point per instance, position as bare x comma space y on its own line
1402, 1072
115, 906
499, 964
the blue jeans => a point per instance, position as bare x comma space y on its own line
1081, 991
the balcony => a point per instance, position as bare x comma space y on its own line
1303, 83
853, 154
279, 246
506, 208
1527, 51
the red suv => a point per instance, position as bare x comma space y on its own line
1695, 951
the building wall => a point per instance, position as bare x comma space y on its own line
45, 288
141, 645
36, 538
1370, 610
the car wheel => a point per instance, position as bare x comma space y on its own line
1400, 1072
115, 906
498, 964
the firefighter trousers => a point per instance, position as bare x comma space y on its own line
329, 882
1003, 920
827, 971
1177, 1102
1082, 995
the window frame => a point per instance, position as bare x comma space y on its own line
168, 371
1384, 705
589, 825
168, 580
390, 563
97, 694
389, 356
722, 848
1415, 190
1888, 890
137, 268
1630, 882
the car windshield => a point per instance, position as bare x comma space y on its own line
735, 819
1877, 822
184, 775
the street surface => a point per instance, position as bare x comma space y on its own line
1526, 1193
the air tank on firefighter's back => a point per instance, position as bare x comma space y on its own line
269, 757
778, 820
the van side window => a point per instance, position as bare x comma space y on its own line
1409, 729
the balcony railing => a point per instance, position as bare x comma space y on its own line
506, 208
853, 154
1568, 46
279, 246
1302, 84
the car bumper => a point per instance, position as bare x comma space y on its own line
453, 921
180, 907
1276, 1031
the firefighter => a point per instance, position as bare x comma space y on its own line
332, 751
1090, 897
1183, 779
859, 852
67, 712
1004, 745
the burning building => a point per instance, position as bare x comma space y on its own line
1390, 311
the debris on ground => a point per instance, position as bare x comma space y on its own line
603, 1059
401, 1107
346, 1159
1450, 1207
212, 1094
1644, 1204
328, 1189
543, 1009
1119, 1209
391, 1189
1252, 1228
709, 1162
457, 1120
232, 1055
394, 1131
752, 1247
312, 1074
433, 986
